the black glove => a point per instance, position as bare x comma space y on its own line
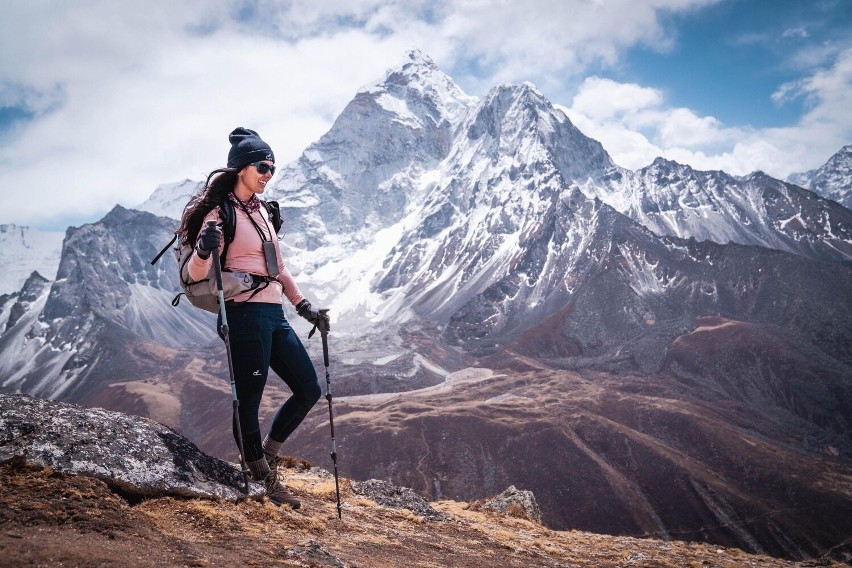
319, 318
316, 317
305, 310
210, 238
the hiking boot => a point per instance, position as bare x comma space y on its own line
277, 493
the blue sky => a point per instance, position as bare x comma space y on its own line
101, 101
729, 58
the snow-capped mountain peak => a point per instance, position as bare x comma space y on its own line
169, 199
518, 121
832, 180
418, 79
362, 175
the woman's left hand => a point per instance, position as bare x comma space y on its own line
305, 310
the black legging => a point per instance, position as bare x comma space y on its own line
262, 338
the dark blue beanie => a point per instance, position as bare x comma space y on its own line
246, 148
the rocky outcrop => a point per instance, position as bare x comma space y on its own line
136, 457
313, 553
389, 495
516, 503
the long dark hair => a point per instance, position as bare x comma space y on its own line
219, 184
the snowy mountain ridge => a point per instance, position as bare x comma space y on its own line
413, 169
478, 215
107, 298
512, 159
832, 180
169, 199
391, 145
500, 182
676, 200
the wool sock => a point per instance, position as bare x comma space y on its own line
271, 448
259, 469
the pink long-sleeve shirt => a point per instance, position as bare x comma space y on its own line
245, 254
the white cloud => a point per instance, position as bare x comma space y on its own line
125, 96
795, 33
548, 42
682, 127
829, 92
605, 99
635, 125
144, 102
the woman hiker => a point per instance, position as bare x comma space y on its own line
260, 335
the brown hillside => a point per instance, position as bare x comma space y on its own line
51, 519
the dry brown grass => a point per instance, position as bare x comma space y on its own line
46, 515
411, 517
515, 510
299, 464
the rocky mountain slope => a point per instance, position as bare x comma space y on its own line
90, 512
109, 310
673, 199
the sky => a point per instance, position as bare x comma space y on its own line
101, 101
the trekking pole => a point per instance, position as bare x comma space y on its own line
322, 324
217, 268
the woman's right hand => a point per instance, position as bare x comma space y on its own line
209, 238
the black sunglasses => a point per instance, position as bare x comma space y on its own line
263, 167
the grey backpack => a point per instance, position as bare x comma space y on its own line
203, 293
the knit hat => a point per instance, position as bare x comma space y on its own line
246, 148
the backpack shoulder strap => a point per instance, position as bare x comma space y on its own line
274, 212
228, 214
165, 248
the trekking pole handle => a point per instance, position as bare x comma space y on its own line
323, 312
216, 263
322, 324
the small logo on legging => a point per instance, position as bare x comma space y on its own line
256, 373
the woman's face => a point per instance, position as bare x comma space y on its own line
253, 181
